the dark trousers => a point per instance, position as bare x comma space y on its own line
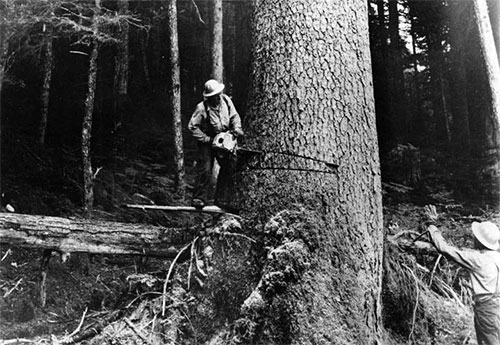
487, 321
203, 187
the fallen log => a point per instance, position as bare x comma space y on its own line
91, 236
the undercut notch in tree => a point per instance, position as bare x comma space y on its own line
91, 236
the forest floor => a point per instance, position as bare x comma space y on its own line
92, 287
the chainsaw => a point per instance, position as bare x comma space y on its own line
226, 142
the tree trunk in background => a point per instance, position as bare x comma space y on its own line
47, 77
385, 122
312, 95
458, 81
175, 99
490, 56
217, 61
156, 56
437, 66
3, 54
492, 68
397, 94
143, 42
494, 11
88, 178
122, 63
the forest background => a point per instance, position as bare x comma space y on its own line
106, 67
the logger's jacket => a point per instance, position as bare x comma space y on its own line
483, 265
206, 122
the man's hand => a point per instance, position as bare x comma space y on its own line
237, 133
431, 213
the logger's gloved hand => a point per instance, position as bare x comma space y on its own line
237, 133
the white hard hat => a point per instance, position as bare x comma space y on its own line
487, 233
212, 87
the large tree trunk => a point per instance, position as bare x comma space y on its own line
312, 97
85, 236
490, 56
175, 99
492, 68
47, 77
88, 176
217, 61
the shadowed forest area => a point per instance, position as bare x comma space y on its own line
401, 95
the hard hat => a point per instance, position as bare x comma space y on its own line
212, 87
487, 233
224, 141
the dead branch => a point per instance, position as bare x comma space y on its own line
11, 290
198, 12
168, 276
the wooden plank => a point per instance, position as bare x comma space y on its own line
206, 209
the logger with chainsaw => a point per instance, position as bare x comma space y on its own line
483, 265
216, 125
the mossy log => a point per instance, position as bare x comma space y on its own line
90, 236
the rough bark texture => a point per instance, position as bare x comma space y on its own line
85, 236
47, 76
312, 95
88, 178
217, 61
175, 100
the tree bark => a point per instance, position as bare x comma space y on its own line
86, 236
490, 58
47, 77
217, 61
88, 178
175, 99
312, 95
492, 68
494, 10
